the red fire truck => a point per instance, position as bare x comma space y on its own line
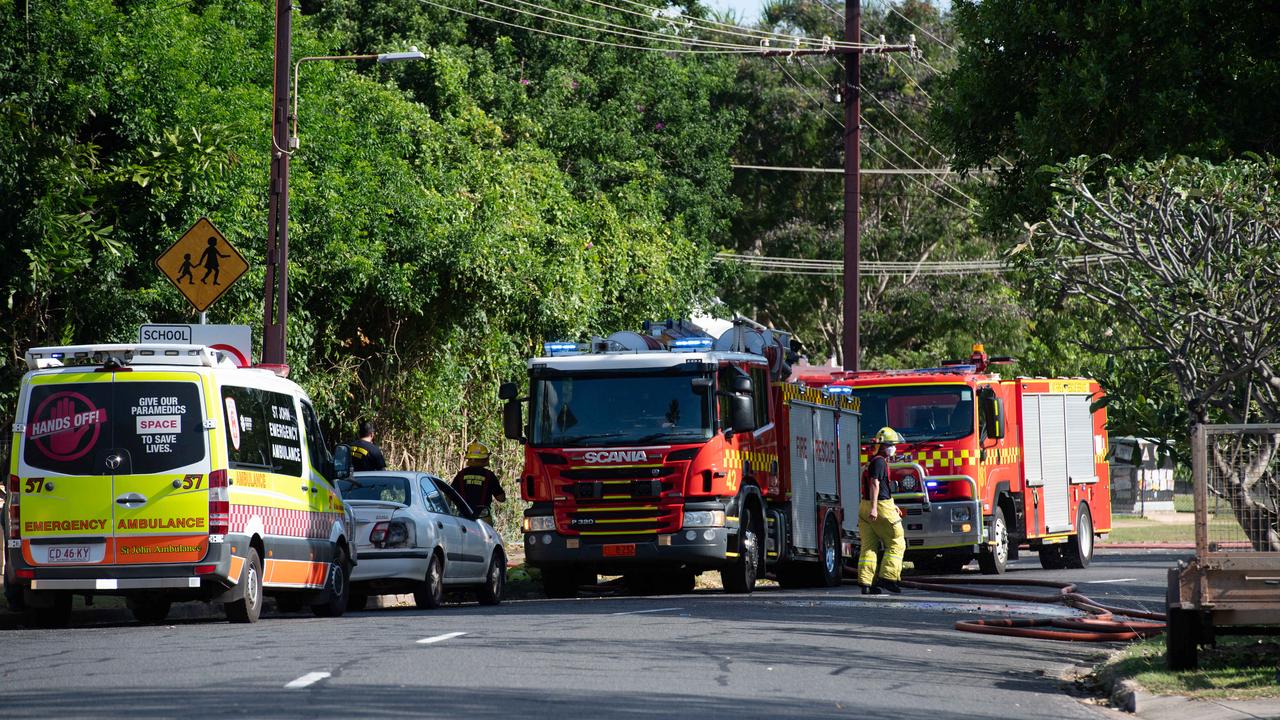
989, 465
666, 453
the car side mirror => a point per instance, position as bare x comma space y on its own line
508, 391
341, 463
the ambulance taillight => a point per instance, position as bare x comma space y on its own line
15, 522
219, 504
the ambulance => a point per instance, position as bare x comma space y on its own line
166, 473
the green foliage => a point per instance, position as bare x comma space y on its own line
1036, 83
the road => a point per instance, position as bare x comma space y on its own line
805, 653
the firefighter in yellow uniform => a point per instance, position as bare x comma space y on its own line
879, 521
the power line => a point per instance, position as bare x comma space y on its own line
864, 171
911, 157
800, 266
725, 28
593, 41
913, 24
605, 26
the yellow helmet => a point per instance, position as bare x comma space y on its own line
888, 436
477, 451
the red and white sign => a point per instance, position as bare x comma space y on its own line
233, 422
150, 424
235, 341
66, 425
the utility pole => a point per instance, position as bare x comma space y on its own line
850, 344
275, 301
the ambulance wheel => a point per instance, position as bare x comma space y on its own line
248, 608
560, 583
56, 610
1078, 551
1051, 557
830, 566
149, 610
740, 577
339, 587
495, 580
430, 592
994, 558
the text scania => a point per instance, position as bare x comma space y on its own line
610, 456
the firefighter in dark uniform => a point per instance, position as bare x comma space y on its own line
364, 454
476, 483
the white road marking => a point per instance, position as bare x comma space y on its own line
308, 679
642, 612
440, 638
1116, 580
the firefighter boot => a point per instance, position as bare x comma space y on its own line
890, 585
871, 590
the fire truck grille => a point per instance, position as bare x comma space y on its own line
607, 524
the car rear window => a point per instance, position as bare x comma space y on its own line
71, 428
378, 487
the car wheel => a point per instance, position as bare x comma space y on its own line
430, 592
248, 608
994, 558
149, 610
495, 581
339, 586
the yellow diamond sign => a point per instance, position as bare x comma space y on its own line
202, 264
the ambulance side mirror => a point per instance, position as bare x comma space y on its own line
341, 464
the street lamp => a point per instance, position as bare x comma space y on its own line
411, 54
275, 302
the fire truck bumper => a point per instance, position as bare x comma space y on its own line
952, 524
695, 547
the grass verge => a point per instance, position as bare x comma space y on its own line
1130, 530
1239, 668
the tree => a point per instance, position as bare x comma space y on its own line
1037, 83
1183, 255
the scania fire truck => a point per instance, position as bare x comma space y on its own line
989, 465
662, 454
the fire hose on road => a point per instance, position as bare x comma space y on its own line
1102, 626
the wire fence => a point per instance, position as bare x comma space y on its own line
1237, 488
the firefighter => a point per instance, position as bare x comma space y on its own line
476, 483
880, 522
364, 454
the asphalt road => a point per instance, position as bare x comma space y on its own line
807, 653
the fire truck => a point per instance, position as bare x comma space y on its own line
988, 465
665, 453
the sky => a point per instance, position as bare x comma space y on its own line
746, 10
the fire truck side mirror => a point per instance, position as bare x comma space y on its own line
742, 414
513, 420
991, 416
508, 391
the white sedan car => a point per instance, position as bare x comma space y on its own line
415, 534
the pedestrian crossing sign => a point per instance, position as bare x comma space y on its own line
202, 264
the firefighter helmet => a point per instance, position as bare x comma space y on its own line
888, 436
477, 451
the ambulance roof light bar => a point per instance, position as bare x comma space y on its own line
122, 354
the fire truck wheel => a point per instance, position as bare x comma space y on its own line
994, 558
1079, 549
560, 583
1181, 638
1051, 557
248, 608
148, 610
831, 565
740, 577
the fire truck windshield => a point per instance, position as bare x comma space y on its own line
922, 413
618, 409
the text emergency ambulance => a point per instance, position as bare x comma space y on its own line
988, 464
166, 472
663, 454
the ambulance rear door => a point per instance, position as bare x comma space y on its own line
161, 493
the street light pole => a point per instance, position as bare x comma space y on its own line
275, 302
